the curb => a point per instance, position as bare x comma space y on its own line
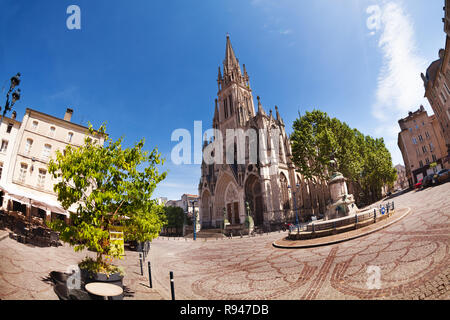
4, 236
343, 239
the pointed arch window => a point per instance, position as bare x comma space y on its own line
230, 99
225, 107
284, 192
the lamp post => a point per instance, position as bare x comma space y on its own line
15, 81
295, 207
195, 218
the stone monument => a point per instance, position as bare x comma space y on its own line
343, 204
249, 223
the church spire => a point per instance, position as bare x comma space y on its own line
230, 57
260, 108
231, 69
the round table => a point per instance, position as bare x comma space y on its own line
104, 289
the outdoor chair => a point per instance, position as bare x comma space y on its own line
61, 291
76, 294
54, 239
59, 277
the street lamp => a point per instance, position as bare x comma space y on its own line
295, 206
195, 218
15, 81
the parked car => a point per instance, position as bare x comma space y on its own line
418, 185
443, 176
428, 181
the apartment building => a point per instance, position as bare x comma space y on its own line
29, 186
422, 145
437, 86
9, 129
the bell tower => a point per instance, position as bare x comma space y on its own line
234, 106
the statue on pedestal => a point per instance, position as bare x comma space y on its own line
249, 223
225, 220
343, 204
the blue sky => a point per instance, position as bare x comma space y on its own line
150, 67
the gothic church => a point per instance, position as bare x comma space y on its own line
272, 191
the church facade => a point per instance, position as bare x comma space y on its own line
265, 179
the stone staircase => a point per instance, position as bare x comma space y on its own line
207, 233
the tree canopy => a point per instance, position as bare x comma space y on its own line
110, 186
363, 160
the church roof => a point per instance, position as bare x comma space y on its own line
230, 57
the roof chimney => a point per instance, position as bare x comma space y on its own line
68, 115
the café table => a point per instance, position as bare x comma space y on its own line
103, 289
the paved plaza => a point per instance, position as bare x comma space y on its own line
24, 271
413, 256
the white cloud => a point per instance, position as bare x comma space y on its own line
400, 88
286, 31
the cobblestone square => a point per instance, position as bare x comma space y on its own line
412, 255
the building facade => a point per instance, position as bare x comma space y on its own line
9, 129
28, 185
402, 179
267, 182
422, 144
187, 203
437, 85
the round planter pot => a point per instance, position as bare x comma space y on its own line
115, 278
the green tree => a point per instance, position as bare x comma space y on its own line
109, 186
174, 216
363, 160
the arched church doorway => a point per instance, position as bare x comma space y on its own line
206, 210
254, 197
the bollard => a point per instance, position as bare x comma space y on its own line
150, 275
140, 262
393, 207
374, 215
313, 228
172, 286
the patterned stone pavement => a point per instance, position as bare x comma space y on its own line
24, 269
413, 257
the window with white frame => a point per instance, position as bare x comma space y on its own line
34, 125
46, 151
443, 98
41, 178
28, 146
4, 146
69, 137
23, 172
447, 89
52, 131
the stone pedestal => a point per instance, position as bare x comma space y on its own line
343, 204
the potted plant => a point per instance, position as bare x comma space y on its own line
106, 186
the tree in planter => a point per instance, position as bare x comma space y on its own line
110, 186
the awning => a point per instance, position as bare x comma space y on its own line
28, 198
